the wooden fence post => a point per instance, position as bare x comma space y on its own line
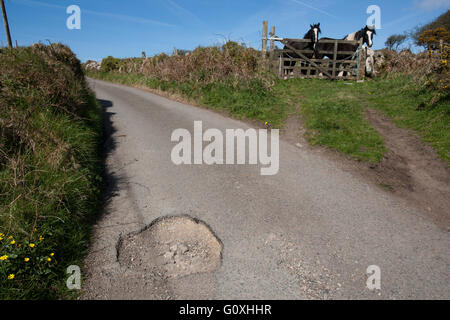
272, 47
361, 61
264, 39
280, 67
272, 42
334, 59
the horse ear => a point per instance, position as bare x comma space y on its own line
318, 24
311, 26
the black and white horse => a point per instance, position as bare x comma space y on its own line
326, 49
313, 35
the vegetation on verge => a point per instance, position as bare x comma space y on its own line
50, 169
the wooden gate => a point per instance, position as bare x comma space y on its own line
293, 63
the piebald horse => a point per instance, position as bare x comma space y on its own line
366, 34
313, 35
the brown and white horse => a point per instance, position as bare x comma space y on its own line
366, 34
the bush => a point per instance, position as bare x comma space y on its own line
429, 70
443, 21
431, 38
110, 64
204, 65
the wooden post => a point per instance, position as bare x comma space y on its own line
272, 47
335, 58
361, 62
5, 20
280, 70
272, 42
264, 39
175, 51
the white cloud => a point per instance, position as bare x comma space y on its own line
434, 4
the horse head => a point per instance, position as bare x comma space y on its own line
314, 33
368, 33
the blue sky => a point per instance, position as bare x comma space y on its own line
126, 28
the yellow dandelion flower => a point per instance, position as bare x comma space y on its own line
10, 237
41, 238
3, 258
52, 254
26, 259
2, 234
34, 230
49, 259
11, 276
32, 245
1, 238
13, 242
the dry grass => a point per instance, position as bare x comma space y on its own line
205, 65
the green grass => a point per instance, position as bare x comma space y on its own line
407, 104
333, 111
334, 117
50, 171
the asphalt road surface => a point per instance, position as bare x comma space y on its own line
309, 232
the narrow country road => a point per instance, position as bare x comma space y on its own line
309, 232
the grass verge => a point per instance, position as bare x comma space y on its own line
50, 170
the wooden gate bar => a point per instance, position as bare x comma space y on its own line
304, 57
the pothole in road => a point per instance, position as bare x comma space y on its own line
173, 246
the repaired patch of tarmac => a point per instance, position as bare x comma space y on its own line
174, 246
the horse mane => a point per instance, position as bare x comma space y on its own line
359, 34
307, 35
